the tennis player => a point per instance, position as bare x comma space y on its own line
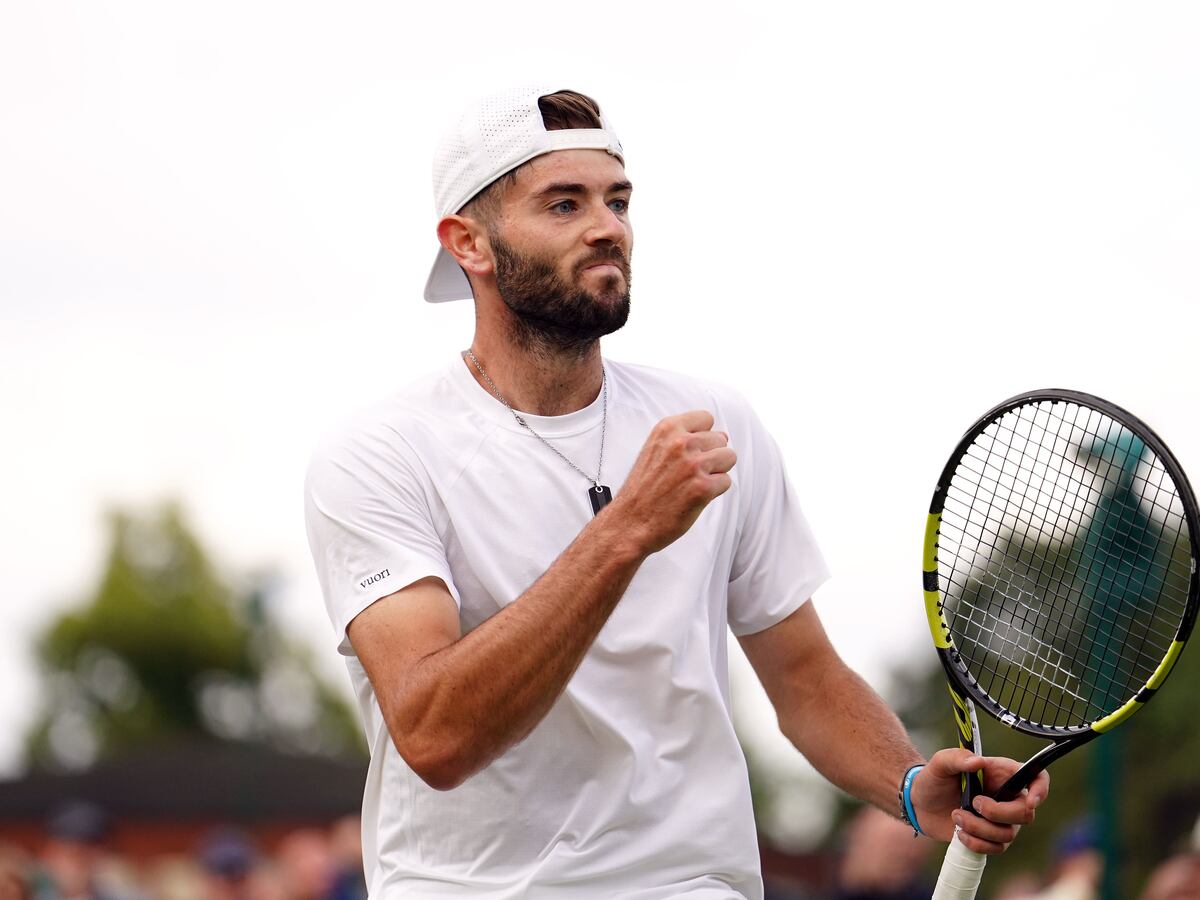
533, 557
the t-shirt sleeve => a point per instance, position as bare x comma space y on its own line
370, 525
777, 564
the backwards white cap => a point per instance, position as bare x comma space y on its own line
492, 138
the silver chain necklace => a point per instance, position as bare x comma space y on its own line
599, 495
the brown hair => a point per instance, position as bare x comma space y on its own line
568, 109
561, 111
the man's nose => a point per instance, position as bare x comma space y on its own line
606, 225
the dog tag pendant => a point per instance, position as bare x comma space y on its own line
600, 496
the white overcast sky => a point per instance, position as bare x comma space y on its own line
874, 219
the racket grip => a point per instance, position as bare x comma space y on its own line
961, 872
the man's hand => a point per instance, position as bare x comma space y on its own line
936, 794
683, 466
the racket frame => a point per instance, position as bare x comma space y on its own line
965, 690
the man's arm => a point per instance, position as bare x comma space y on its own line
454, 702
828, 712
852, 738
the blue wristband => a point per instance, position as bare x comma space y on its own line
907, 813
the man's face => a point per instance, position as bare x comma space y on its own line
561, 243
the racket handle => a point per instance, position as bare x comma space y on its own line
961, 873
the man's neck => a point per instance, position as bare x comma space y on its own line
544, 383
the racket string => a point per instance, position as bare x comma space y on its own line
1049, 550
1018, 690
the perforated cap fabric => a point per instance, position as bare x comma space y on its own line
493, 137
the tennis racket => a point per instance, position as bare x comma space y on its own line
1060, 580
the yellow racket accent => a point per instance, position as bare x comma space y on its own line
1160, 675
937, 625
932, 524
1113, 719
962, 717
1164, 667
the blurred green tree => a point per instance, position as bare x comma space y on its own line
164, 646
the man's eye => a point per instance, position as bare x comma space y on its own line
563, 206
620, 205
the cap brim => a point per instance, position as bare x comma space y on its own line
446, 280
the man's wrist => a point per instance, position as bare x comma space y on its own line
624, 543
908, 814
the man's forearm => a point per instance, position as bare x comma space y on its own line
854, 740
849, 734
827, 711
469, 702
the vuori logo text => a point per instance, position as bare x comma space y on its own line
378, 576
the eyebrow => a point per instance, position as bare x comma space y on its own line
574, 188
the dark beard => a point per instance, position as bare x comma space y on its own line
551, 315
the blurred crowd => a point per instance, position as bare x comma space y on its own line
882, 861
76, 862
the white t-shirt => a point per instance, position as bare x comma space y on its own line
633, 785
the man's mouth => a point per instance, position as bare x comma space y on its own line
615, 262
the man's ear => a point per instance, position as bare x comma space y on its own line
466, 240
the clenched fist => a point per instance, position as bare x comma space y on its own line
681, 468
